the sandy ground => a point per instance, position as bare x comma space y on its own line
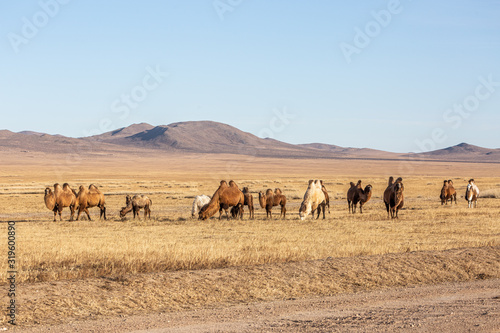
451, 307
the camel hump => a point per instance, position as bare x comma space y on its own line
352, 184
391, 180
269, 191
445, 182
223, 183
277, 190
310, 181
232, 183
245, 190
56, 185
65, 186
92, 187
399, 180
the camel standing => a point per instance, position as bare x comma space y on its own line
448, 192
351, 193
88, 198
270, 199
249, 201
472, 193
394, 197
362, 196
59, 198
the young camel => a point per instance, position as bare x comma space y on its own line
135, 204
361, 196
270, 199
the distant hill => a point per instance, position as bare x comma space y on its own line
202, 137
214, 137
463, 151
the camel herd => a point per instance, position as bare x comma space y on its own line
228, 196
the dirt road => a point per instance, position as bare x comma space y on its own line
452, 307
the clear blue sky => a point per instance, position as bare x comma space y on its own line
394, 75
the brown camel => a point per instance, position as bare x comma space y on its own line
225, 196
448, 192
351, 193
394, 197
59, 198
361, 196
248, 202
88, 198
270, 199
135, 204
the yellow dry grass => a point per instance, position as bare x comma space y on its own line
171, 240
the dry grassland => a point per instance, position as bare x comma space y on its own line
172, 240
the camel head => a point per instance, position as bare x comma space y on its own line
303, 211
128, 200
245, 190
368, 189
48, 191
125, 210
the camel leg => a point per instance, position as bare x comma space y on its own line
87, 212
103, 212
60, 215
324, 210
55, 213
349, 204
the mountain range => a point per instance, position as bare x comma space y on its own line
214, 137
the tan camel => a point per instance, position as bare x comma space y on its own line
270, 199
448, 192
248, 202
313, 198
88, 198
59, 198
135, 204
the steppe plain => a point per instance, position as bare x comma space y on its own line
94, 271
